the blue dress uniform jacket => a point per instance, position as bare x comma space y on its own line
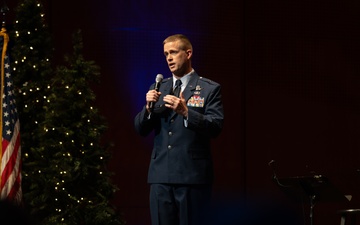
182, 154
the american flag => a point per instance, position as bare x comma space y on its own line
10, 152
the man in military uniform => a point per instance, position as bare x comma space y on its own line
181, 167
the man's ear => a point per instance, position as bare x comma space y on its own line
189, 53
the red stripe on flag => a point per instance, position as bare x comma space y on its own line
10, 160
16, 192
11, 171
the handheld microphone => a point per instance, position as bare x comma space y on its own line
158, 81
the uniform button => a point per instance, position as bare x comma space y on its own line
169, 147
170, 133
172, 120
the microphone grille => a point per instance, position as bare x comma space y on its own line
159, 78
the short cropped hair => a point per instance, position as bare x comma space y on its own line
185, 42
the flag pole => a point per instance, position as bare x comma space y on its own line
4, 10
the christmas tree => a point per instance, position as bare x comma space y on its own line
31, 58
31, 51
65, 180
77, 183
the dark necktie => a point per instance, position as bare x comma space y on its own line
177, 88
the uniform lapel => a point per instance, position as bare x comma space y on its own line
190, 87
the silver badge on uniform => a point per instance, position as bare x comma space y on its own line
197, 90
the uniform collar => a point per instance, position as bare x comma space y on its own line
184, 79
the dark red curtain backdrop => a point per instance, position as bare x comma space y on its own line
290, 75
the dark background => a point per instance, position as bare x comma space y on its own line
290, 76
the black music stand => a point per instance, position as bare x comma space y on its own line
316, 188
